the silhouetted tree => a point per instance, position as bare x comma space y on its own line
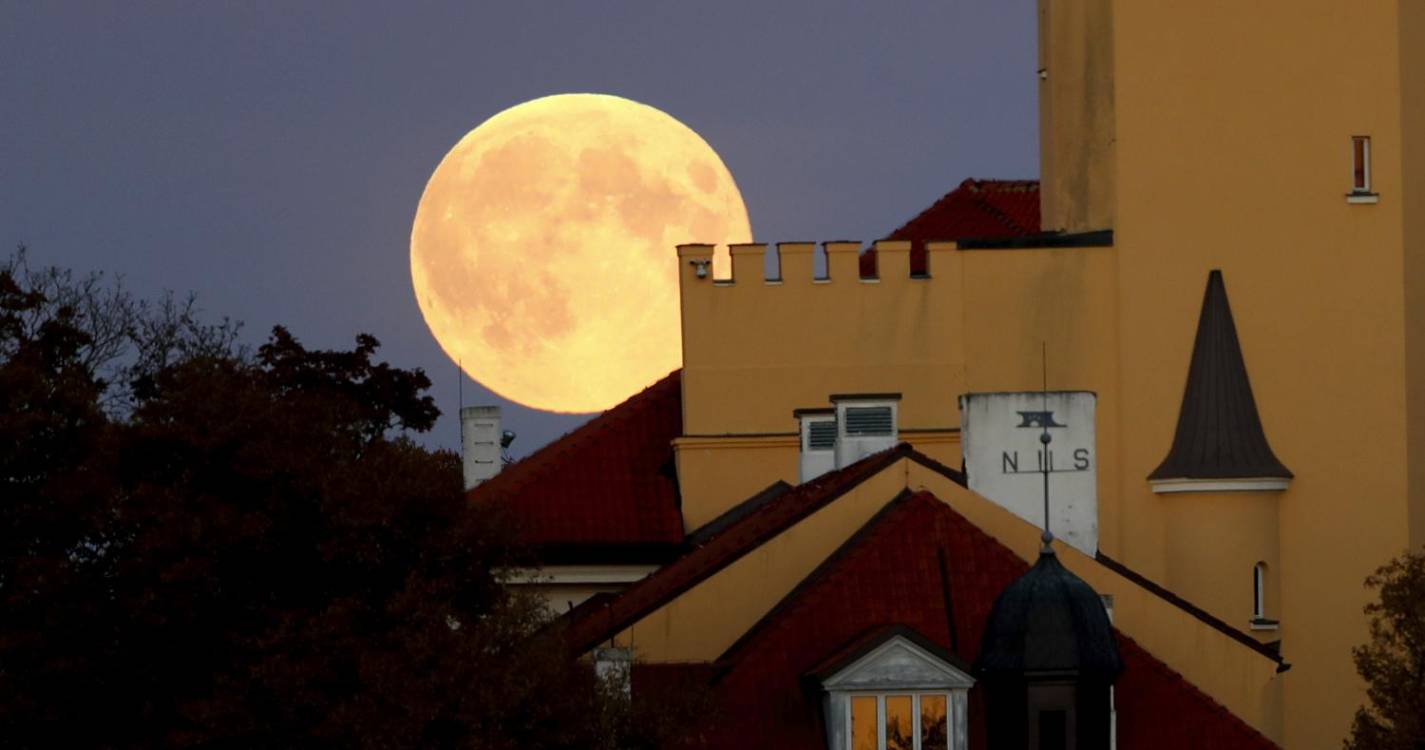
206, 548
1393, 662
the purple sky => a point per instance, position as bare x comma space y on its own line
270, 157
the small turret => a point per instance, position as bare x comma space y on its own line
1047, 659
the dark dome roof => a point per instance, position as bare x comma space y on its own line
1049, 620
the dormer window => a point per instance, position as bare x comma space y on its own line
898, 691
818, 442
866, 424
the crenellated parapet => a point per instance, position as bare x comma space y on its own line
808, 262
796, 321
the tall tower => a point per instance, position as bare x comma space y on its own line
1284, 145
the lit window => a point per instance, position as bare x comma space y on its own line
1361, 191
900, 694
914, 721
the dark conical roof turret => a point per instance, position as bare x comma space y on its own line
1049, 621
1219, 434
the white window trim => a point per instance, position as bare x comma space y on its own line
1259, 620
1365, 193
1259, 583
953, 714
898, 667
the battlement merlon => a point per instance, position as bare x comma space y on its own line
796, 263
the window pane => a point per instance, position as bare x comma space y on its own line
863, 722
934, 730
1360, 163
900, 729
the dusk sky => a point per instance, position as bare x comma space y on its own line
270, 157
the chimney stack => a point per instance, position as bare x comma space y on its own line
480, 442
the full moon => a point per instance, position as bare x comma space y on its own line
543, 250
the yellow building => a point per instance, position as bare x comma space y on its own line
1191, 154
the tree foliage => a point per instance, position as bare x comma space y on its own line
202, 547
1393, 662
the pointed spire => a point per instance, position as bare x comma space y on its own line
1219, 433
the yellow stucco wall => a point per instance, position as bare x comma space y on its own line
1234, 153
1411, 208
1219, 537
704, 621
754, 351
1076, 95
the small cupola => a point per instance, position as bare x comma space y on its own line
1047, 660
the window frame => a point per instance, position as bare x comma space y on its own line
1363, 192
898, 666
1259, 584
1259, 620
915, 696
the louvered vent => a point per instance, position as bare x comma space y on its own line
869, 421
821, 436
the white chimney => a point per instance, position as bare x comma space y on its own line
1001, 436
480, 439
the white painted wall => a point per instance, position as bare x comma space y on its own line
480, 443
1000, 435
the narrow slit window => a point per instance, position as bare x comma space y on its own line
1361, 164
1258, 591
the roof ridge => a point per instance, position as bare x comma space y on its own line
975, 209
901, 503
731, 544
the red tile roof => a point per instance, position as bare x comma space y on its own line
608, 483
921, 565
980, 209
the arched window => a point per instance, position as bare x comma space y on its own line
1260, 621
1259, 584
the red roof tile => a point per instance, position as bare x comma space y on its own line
980, 209
921, 565
609, 482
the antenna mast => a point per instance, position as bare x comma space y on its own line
1044, 440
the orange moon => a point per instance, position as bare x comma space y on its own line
543, 251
